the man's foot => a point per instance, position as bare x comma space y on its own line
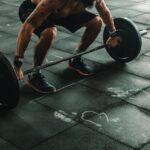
78, 65
38, 83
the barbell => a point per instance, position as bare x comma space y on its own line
126, 51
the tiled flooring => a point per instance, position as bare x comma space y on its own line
107, 111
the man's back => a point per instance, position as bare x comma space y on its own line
65, 8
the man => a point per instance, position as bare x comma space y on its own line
42, 16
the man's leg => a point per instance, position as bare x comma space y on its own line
43, 44
93, 28
36, 80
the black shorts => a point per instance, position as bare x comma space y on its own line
71, 22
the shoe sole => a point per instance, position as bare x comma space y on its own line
37, 90
78, 71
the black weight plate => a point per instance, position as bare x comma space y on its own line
131, 41
9, 91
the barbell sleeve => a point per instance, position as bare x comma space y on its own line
143, 32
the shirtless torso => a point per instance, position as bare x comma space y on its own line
65, 7
61, 8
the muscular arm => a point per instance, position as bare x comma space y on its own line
105, 14
44, 8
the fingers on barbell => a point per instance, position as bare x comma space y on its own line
19, 73
113, 41
119, 40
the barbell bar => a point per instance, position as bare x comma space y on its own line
142, 32
129, 25
63, 59
119, 22
126, 51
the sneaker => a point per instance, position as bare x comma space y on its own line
79, 66
38, 83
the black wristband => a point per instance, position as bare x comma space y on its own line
18, 61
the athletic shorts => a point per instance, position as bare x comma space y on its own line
71, 22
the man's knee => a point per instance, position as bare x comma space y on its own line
95, 24
98, 21
49, 33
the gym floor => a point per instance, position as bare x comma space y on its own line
107, 111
